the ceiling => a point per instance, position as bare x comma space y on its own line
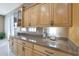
7, 7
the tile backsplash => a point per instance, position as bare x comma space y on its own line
57, 31
50, 31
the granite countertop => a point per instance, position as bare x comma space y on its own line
60, 44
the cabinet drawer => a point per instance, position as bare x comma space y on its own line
28, 51
28, 44
37, 53
49, 52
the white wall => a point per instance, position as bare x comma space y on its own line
9, 26
12, 25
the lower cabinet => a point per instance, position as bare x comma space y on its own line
23, 48
49, 52
28, 51
15, 48
37, 53
20, 50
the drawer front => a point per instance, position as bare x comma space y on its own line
37, 53
29, 45
49, 52
26, 44
28, 51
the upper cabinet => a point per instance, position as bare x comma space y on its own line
45, 15
34, 15
48, 14
31, 16
62, 14
26, 17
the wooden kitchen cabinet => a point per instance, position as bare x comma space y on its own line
45, 15
34, 14
37, 53
20, 50
24, 48
48, 14
62, 15
31, 16
26, 19
28, 51
28, 47
49, 52
28, 44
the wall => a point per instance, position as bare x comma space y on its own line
74, 30
62, 32
1, 23
58, 31
9, 25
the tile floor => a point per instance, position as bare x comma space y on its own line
4, 48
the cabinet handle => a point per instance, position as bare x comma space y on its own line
49, 52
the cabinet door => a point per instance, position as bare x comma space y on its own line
26, 19
34, 15
62, 14
45, 14
15, 48
20, 50
28, 51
